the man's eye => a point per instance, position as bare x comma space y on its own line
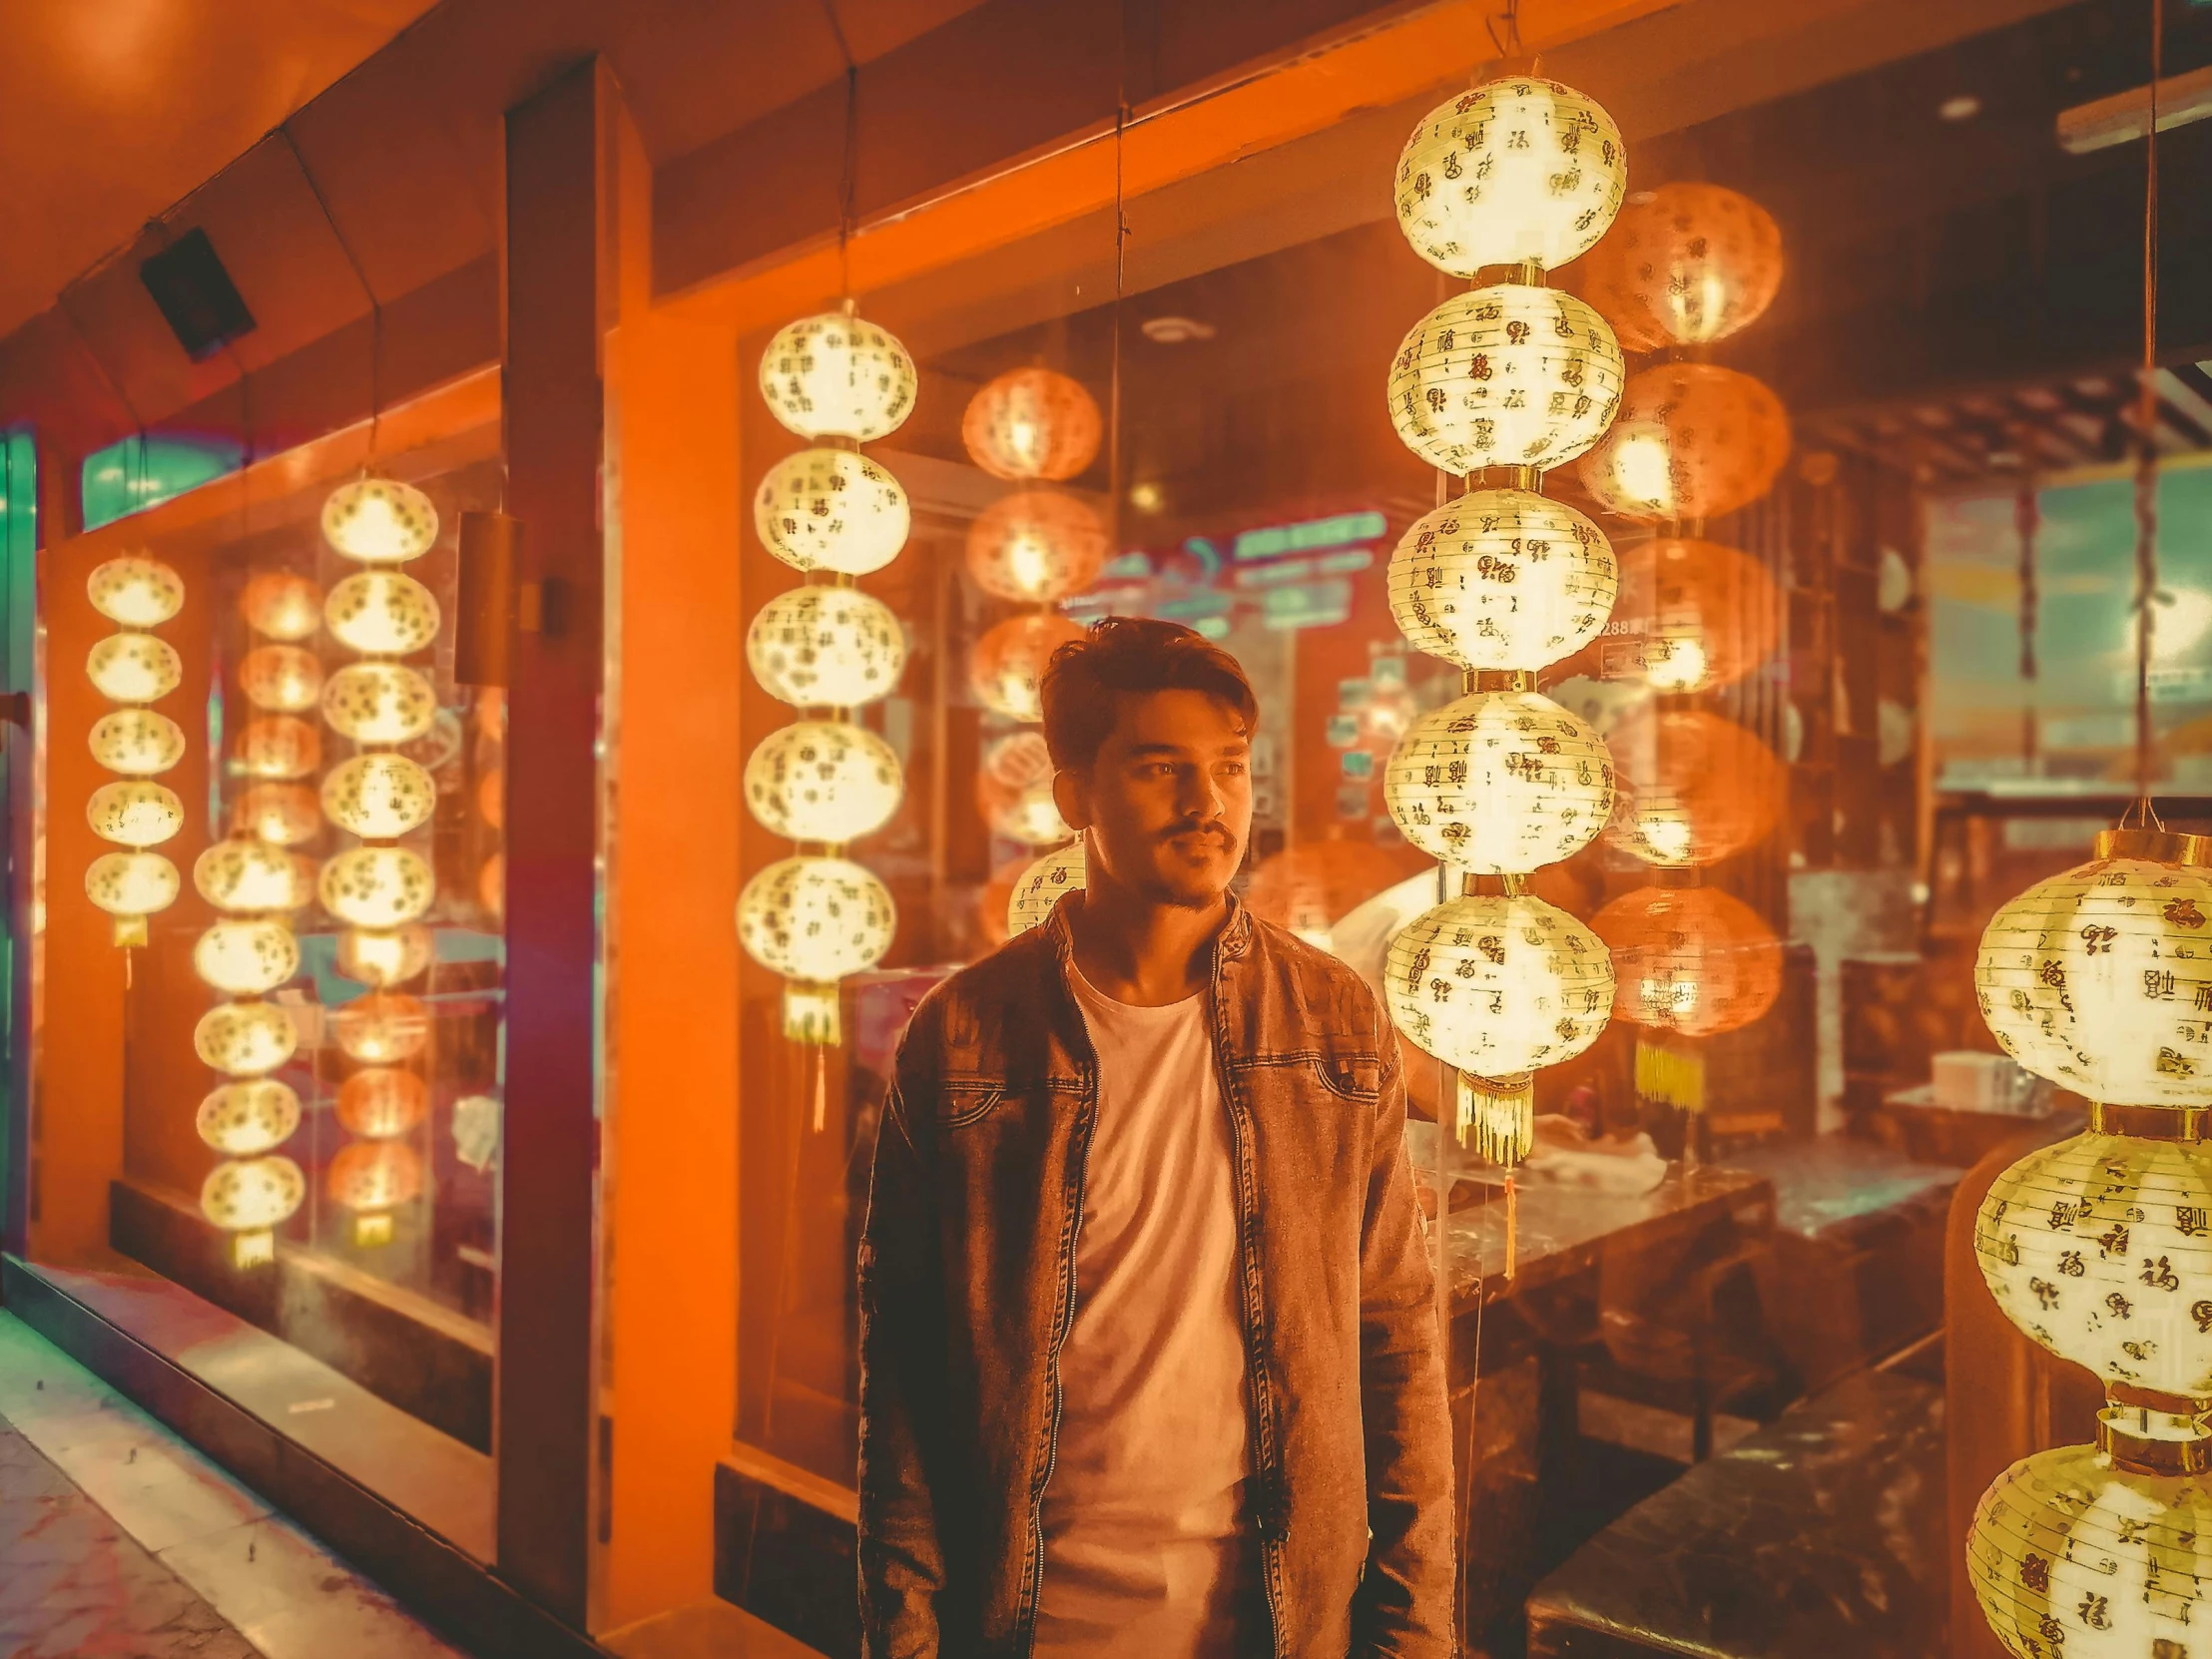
1235, 768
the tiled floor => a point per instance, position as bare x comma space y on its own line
119, 1541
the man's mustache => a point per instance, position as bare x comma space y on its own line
1218, 831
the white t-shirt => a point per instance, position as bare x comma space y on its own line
1144, 1550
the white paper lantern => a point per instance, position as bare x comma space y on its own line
2072, 1557
381, 612
835, 376
1507, 375
824, 780
2100, 1248
242, 1120
381, 957
832, 509
820, 647
815, 919
379, 521
2100, 979
244, 1039
250, 1198
378, 795
1500, 987
1503, 579
377, 886
132, 885
134, 667
246, 956
136, 742
246, 878
1038, 888
1499, 781
135, 813
1032, 423
381, 703
135, 592
1517, 170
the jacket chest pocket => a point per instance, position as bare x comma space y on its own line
962, 1102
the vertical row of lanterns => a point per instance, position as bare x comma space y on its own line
1500, 383
827, 648
136, 669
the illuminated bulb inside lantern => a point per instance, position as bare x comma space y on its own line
246, 956
383, 1028
135, 592
1677, 665
245, 876
135, 813
249, 1198
1032, 423
283, 814
278, 747
130, 887
378, 1102
379, 521
377, 886
244, 1039
134, 667
382, 957
374, 1178
1006, 667
282, 604
243, 1120
283, 679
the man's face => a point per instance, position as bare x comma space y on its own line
1168, 801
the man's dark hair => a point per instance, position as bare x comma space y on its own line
1087, 678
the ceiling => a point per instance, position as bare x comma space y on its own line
105, 115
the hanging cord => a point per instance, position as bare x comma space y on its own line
848, 175
2146, 431
361, 276
1511, 46
2027, 521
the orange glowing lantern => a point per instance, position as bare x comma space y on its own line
1032, 423
491, 798
383, 1028
281, 604
379, 1102
285, 814
491, 885
1013, 790
1693, 788
1707, 613
1692, 960
1311, 887
284, 679
281, 747
372, 1179
1692, 441
1008, 662
1036, 546
1684, 264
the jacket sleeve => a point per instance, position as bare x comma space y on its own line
1404, 1606
902, 1382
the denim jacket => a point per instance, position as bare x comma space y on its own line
967, 1289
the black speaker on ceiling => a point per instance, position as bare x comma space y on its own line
195, 295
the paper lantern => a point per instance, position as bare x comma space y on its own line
249, 1198
1498, 985
832, 509
2100, 979
385, 956
1499, 781
377, 886
825, 648
1013, 790
1694, 787
136, 742
1006, 668
1032, 423
835, 376
1036, 546
2101, 1249
244, 1039
135, 813
280, 746
814, 920
1039, 887
381, 612
824, 780
374, 1176
378, 795
285, 814
134, 667
283, 679
1693, 961
131, 886
135, 592
246, 956
1501, 579
1311, 887
1520, 169
1705, 615
1687, 263
282, 604
244, 877
379, 1102
379, 521
1506, 375
383, 1028
243, 1120
1693, 441
2074, 1555
379, 702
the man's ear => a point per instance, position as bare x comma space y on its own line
1074, 799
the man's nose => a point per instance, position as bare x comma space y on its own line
1200, 794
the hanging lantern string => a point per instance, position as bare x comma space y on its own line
361, 276
1121, 289
1511, 46
2028, 520
849, 172
2146, 431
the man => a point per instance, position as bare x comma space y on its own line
1150, 1363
